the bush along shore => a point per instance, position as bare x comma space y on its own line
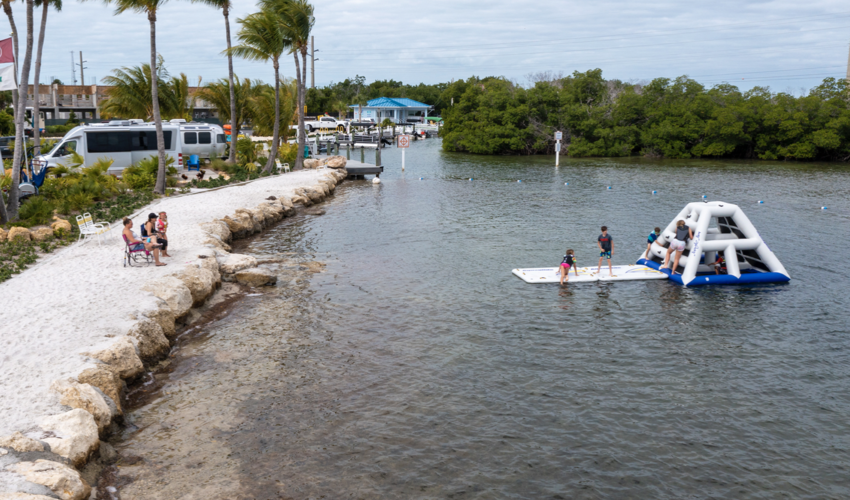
677, 118
53, 455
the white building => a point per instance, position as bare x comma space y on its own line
397, 109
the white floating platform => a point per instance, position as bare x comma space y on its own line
631, 272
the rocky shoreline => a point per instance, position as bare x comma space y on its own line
48, 461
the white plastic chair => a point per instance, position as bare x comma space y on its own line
90, 228
282, 167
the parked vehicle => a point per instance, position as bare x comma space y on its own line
6, 144
327, 123
203, 139
126, 142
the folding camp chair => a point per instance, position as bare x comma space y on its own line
135, 257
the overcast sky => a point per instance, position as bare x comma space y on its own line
785, 44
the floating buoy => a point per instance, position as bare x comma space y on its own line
704, 197
519, 180
760, 202
609, 187
566, 183
376, 181
470, 178
655, 192
823, 208
420, 178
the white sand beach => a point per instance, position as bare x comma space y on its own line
80, 298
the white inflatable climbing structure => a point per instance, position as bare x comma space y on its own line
718, 228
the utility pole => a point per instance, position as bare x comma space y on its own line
73, 69
312, 62
82, 74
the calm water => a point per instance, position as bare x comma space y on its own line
416, 366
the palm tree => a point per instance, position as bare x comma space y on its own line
177, 101
20, 115
297, 20
262, 109
225, 5
130, 93
149, 7
45, 7
261, 39
218, 94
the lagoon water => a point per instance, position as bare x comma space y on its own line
414, 365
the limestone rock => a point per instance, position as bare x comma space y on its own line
302, 200
19, 442
240, 225
152, 341
122, 358
312, 163
3, 235
165, 317
19, 233
286, 202
200, 282
260, 216
256, 277
322, 188
41, 234
255, 219
336, 162
315, 195
107, 381
214, 242
172, 291
207, 260
78, 437
84, 397
61, 479
218, 228
314, 267
3, 452
60, 225
236, 262
23, 496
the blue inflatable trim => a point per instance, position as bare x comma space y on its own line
747, 277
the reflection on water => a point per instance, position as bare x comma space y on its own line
414, 365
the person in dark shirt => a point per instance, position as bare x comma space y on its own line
606, 249
568, 262
683, 234
650, 240
720, 264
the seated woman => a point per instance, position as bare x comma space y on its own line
149, 231
136, 244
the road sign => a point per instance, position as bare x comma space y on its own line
404, 141
557, 147
559, 136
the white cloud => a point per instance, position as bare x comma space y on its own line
778, 43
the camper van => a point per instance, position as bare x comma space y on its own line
202, 139
126, 142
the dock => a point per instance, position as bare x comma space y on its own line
356, 169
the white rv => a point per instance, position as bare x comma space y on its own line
202, 139
126, 142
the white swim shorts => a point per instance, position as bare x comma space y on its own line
677, 245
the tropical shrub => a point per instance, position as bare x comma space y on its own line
36, 210
143, 175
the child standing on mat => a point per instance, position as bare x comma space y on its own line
606, 249
650, 240
568, 262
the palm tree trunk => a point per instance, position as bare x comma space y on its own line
157, 119
36, 131
20, 115
303, 102
233, 128
302, 139
276, 134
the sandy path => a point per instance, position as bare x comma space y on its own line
79, 298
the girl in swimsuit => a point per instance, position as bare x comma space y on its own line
568, 262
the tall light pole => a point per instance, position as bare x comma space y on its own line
82, 74
313, 60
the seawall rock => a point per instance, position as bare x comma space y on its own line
153, 343
201, 283
172, 291
62, 480
23, 496
165, 317
107, 381
19, 442
240, 225
78, 436
256, 277
218, 228
235, 262
336, 162
84, 397
122, 358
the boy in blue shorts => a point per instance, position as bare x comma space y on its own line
606, 249
650, 240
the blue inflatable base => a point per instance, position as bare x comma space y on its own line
747, 277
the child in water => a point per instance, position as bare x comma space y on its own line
568, 262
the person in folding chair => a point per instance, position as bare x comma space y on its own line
134, 244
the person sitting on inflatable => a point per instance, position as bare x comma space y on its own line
651, 239
683, 234
719, 264
568, 262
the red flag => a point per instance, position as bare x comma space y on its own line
7, 52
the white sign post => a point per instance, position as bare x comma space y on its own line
403, 143
558, 137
